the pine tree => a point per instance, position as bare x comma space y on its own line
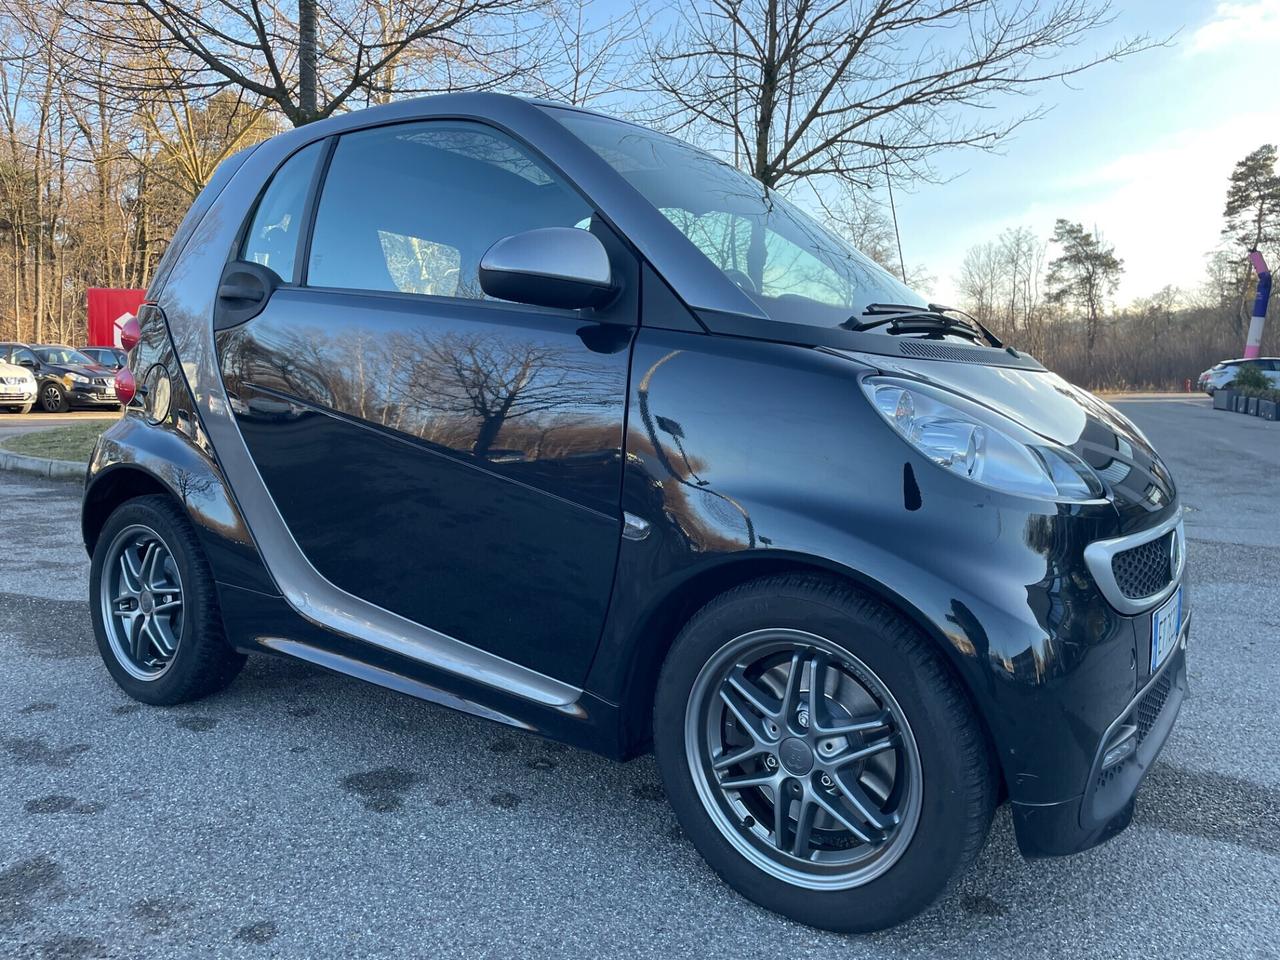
1253, 201
1085, 274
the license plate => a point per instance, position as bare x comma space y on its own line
1166, 624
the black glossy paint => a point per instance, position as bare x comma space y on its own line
745, 449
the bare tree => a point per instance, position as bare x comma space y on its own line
582, 50
802, 89
311, 60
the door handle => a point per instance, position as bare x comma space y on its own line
241, 291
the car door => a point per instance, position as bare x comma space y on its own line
451, 458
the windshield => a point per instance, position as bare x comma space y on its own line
797, 270
62, 355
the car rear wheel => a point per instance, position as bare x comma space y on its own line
53, 399
819, 754
154, 606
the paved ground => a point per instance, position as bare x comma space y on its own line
305, 815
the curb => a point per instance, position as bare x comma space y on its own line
42, 466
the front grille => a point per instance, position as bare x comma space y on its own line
1144, 570
1148, 709
1143, 716
99, 382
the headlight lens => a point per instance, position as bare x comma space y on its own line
981, 445
75, 378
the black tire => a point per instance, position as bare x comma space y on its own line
53, 399
203, 662
958, 792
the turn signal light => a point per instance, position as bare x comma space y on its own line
130, 334
126, 386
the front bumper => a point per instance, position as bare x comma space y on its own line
1107, 803
17, 395
92, 395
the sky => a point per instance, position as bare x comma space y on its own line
1141, 149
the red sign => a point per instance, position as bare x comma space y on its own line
109, 310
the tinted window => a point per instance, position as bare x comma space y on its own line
797, 270
62, 355
18, 354
272, 239
413, 207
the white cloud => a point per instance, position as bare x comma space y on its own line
1234, 25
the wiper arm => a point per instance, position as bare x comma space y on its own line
907, 318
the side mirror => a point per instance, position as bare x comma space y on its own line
551, 267
27, 362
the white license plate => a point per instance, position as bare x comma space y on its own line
1166, 624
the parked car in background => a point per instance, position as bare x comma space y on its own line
17, 387
66, 378
559, 421
1223, 374
113, 358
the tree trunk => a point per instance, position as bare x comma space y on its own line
307, 60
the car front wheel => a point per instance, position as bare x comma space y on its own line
820, 755
53, 399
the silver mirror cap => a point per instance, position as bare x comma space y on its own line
550, 267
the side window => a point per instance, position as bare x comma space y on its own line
412, 208
272, 239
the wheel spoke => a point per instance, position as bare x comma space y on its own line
763, 703
836, 809
869, 750
138, 637
727, 760
858, 798
162, 635
751, 723
149, 558
781, 811
865, 724
130, 572
747, 781
804, 826
169, 606
791, 698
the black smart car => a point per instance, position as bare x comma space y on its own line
66, 378
552, 419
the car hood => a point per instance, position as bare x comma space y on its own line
12, 370
1045, 403
84, 369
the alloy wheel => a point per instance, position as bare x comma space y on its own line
803, 759
142, 602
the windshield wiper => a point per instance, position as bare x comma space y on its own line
906, 318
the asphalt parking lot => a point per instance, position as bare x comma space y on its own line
301, 814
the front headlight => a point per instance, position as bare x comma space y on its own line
980, 444
71, 378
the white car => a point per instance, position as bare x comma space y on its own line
17, 388
1224, 374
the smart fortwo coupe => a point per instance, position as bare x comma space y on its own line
549, 418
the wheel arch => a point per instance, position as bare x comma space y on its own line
673, 609
110, 488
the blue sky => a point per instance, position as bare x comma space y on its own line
1142, 149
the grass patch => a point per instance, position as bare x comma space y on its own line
74, 442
